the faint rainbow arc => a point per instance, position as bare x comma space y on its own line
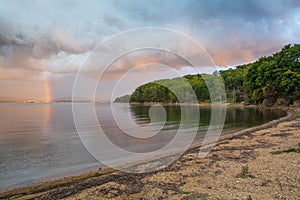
48, 90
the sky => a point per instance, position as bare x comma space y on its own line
44, 43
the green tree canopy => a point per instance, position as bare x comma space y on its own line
265, 81
275, 77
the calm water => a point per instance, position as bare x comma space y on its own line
39, 142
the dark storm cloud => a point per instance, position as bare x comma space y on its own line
18, 50
233, 31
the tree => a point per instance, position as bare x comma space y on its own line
264, 81
275, 77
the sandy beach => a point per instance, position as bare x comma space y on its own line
262, 163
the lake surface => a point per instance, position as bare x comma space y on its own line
39, 142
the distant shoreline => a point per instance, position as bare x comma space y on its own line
187, 104
229, 104
63, 101
201, 104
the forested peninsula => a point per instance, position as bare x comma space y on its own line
270, 81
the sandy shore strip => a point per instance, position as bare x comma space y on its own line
259, 163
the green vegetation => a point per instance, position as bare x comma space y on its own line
193, 196
249, 197
187, 89
269, 81
233, 82
244, 173
123, 99
220, 198
275, 79
184, 192
291, 150
266, 182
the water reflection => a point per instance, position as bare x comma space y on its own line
39, 142
236, 117
125, 140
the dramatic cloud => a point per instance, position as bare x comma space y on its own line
54, 37
34, 52
233, 31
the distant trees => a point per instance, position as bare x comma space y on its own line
234, 81
190, 88
152, 92
123, 99
271, 80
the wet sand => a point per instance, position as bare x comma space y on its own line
260, 163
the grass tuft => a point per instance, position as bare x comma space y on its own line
249, 197
291, 150
245, 173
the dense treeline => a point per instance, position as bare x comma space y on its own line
275, 79
233, 81
187, 89
271, 80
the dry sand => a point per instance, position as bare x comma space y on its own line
252, 165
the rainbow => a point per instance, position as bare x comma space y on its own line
48, 90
